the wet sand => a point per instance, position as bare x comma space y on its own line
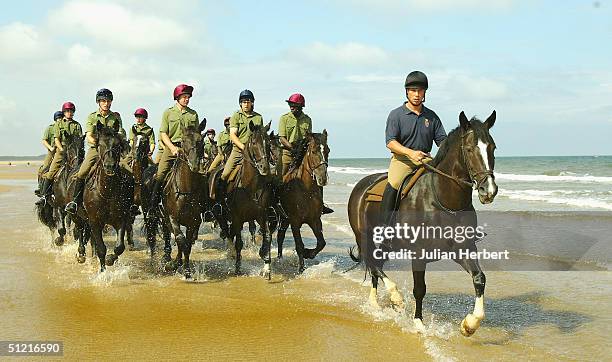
136, 311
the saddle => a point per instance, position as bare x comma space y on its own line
233, 180
375, 192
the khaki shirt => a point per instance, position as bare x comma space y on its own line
49, 134
145, 130
241, 121
112, 120
208, 146
223, 139
294, 129
173, 118
67, 127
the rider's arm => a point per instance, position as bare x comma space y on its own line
235, 139
282, 132
169, 145
90, 138
58, 144
398, 149
47, 145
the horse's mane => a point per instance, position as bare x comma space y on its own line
455, 136
298, 152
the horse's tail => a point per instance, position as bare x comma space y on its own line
47, 215
355, 258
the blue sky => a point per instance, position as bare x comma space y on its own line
544, 66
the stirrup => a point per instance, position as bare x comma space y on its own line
326, 210
42, 201
71, 208
134, 210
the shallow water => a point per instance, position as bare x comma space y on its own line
134, 310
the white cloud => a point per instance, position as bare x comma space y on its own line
117, 26
20, 42
432, 5
346, 54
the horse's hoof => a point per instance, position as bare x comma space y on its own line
131, 247
279, 256
309, 253
167, 258
59, 241
467, 328
188, 275
266, 273
171, 266
111, 259
419, 326
80, 259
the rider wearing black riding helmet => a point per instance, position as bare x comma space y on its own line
410, 132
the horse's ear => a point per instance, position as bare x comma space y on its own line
491, 120
134, 131
267, 128
325, 133
251, 126
463, 121
202, 125
272, 134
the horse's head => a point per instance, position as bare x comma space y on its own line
193, 147
110, 148
478, 150
275, 152
74, 150
316, 156
141, 146
257, 148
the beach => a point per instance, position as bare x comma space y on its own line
551, 303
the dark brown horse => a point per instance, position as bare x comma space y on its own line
108, 195
251, 198
52, 213
181, 199
300, 194
144, 171
441, 198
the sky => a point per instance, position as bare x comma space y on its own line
544, 66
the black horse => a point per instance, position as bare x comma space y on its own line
440, 198
300, 195
108, 195
249, 196
52, 213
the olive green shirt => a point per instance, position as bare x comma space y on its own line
67, 127
145, 130
223, 139
241, 121
292, 128
112, 120
173, 118
49, 134
208, 146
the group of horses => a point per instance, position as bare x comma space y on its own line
256, 193
261, 193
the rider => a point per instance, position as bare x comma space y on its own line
209, 141
48, 142
66, 126
294, 126
142, 128
410, 132
106, 117
239, 135
170, 133
222, 140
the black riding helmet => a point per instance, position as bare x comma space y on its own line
246, 94
58, 115
416, 79
104, 94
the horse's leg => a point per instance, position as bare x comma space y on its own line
238, 244
266, 246
252, 231
130, 238
179, 238
192, 235
150, 228
167, 240
373, 292
419, 290
79, 231
471, 322
299, 246
119, 247
397, 300
96, 236
317, 229
280, 236
62, 230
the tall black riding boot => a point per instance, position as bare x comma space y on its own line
326, 209
77, 196
45, 190
387, 205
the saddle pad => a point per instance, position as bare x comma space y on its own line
375, 192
